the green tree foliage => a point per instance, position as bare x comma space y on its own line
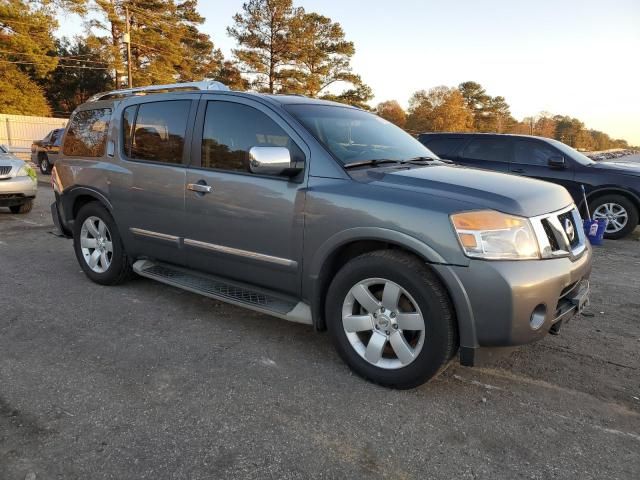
66, 88
166, 43
283, 49
20, 95
26, 42
265, 45
322, 54
490, 114
393, 112
441, 109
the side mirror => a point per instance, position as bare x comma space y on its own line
557, 161
272, 161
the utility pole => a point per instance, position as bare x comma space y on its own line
127, 40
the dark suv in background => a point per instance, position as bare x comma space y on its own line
613, 188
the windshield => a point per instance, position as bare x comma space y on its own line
571, 152
354, 135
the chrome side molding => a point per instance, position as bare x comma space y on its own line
285, 262
157, 235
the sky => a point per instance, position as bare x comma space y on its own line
570, 57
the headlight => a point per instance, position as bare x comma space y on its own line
495, 236
26, 171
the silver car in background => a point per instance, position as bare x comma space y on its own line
18, 183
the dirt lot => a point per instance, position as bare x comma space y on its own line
147, 381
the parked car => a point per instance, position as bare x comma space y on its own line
18, 183
613, 188
323, 214
44, 153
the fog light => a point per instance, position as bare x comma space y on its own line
537, 317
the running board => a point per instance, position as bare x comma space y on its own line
225, 290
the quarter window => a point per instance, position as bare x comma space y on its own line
487, 149
87, 134
157, 132
532, 153
231, 129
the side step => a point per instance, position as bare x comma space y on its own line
226, 290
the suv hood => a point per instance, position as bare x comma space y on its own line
628, 168
481, 188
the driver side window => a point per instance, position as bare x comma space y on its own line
231, 129
532, 153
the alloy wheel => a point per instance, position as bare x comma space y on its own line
96, 244
616, 215
383, 323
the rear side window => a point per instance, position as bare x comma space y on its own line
532, 153
156, 131
231, 129
87, 133
487, 149
443, 146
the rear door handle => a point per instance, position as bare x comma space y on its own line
517, 170
199, 187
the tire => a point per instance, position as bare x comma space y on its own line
423, 299
115, 266
24, 208
43, 163
615, 204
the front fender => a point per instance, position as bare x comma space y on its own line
351, 235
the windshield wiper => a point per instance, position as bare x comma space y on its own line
373, 162
420, 159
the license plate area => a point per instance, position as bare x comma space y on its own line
581, 297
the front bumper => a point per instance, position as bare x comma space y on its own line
509, 303
15, 191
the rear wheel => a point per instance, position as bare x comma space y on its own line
45, 166
390, 319
98, 246
621, 213
24, 208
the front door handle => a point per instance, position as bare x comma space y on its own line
199, 187
517, 170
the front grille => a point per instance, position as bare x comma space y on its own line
4, 170
563, 219
560, 233
6, 196
553, 241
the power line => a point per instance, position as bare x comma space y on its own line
156, 18
61, 66
53, 57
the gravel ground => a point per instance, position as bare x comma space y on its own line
146, 381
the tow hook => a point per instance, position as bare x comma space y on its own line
555, 328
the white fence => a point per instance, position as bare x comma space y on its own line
18, 131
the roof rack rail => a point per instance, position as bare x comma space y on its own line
171, 87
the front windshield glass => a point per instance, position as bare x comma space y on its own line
571, 152
355, 136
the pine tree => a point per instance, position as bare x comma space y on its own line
265, 44
26, 55
66, 88
166, 43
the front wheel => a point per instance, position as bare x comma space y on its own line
391, 319
98, 246
621, 213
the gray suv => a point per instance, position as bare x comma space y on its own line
322, 214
